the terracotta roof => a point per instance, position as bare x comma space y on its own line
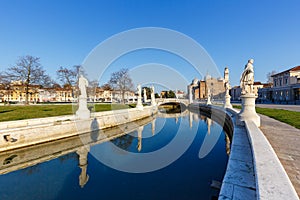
297, 68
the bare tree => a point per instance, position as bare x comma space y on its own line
269, 76
68, 76
106, 86
121, 80
29, 71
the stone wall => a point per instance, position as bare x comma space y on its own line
16, 134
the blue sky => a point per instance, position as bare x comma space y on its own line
64, 32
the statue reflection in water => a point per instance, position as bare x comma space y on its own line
83, 163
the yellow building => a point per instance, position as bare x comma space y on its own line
16, 92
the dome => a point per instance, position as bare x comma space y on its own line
195, 81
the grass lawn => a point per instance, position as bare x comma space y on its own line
13, 112
286, 116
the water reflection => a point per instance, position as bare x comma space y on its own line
83, 163
131, 137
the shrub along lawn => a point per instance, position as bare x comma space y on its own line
286, 116
13, 112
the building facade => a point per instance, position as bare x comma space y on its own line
199, 89
285, 89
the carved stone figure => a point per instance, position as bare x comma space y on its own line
82, 84
139, 104
153, 103
247, 78
83, 112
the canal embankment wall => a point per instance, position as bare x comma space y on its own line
17, 134
254, 170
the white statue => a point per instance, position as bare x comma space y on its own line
82, 84
247, 78
139, 90
145, 95
153, 103
227, 87
139, 104
83, 112
208, 102
248, 96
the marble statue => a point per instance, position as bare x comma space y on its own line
83, 112
153, 102
82, 84
227, 87
248, 96
139, 104
208, 102
145, 95
139, 89
247, 78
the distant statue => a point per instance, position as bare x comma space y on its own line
145, 95
247, 78
139, 104
208, 102
153, 103
82, 84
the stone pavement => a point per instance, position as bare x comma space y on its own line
285, 140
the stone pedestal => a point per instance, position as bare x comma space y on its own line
139, 104
248, 111
83, 112
227, 103
190, 95
208, 102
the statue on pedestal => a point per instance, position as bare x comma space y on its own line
83, 112
248, 95
208, 102
247, 78
153, 102
139, 104
145, 95
227, 97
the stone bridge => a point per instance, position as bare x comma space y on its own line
162, 101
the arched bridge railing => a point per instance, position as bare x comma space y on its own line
172, 100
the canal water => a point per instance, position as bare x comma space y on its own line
175, 156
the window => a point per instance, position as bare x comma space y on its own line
275, 83
286, 81
280, 82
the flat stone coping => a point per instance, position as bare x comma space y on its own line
271, 180
239, 180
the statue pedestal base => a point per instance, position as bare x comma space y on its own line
83, 112
248, 111
208, 102
153, 103
139, 104
227, 103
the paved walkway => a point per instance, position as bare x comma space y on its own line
285, 140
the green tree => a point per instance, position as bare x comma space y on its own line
170, 94
148, 92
